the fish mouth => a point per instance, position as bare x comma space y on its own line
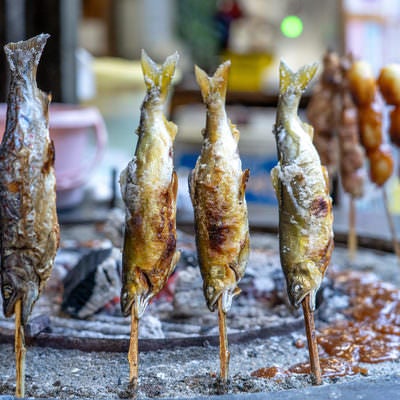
126, 304
298, 299
27, 299
138, 302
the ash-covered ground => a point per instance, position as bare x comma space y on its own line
193, 370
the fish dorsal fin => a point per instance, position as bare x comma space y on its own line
156, 76
295, 82
215, 87
235, 131
308, 129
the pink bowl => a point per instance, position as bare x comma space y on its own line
70, 129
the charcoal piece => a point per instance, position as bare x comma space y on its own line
92, 283
38, 324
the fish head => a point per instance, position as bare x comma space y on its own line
136, 292
304, 280
17, 285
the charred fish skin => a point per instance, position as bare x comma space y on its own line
217, 188
302, 188
29, 225
149, 188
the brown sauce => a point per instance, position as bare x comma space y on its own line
370, 334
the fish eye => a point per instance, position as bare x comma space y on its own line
7, 291
297, 288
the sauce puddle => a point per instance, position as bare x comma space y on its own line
371, 334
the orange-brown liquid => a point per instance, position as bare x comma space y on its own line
371, 334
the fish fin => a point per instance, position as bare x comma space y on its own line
213, 88
156, 76
174, 185
276, 184
308, 129
24, 56
191, 185
242, 185
172, 128
235, 131
295, 82
326, 177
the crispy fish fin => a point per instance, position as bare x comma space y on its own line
243, 183
326, 177
235, 131
276, 184
172, 129
295, 82
308, 129
156, 76
24, 56
213, 88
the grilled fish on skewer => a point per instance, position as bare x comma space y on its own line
301, 185
149, 188
29, 227
217, 189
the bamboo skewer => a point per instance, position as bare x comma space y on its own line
133, 352
20, 351
224, 354
392, 228
312, 341
352, 238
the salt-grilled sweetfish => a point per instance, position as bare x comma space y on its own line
29, 227
149, 187
302, 188
217, 188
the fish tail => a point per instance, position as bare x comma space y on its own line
24, 56
213, 88
295, 82
159, 76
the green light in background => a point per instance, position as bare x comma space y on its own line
292, 26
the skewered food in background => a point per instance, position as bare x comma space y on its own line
389, 86
323, 112
217, 189
364, 90
352, 155
29, 227
149, 187
305, 207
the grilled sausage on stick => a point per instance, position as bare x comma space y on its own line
305, 207
149, 189
29, 227
217, 189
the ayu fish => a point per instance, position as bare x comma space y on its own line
302, 188
217, 189
29, 226
149, 188
305, 207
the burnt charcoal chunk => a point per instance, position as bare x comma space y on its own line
92, 283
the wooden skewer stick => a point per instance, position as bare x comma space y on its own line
312, 341
352, 238
133, 353
223, 343
20, 351
392, 228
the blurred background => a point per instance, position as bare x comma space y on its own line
92, 60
